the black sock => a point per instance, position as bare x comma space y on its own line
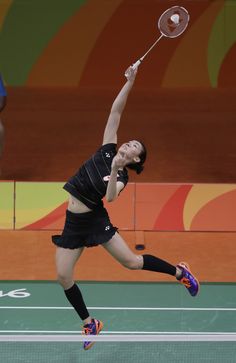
76, 299
152, 263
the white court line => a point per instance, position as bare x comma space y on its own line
119, 338
115, 308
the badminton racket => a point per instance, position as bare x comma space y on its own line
171, 24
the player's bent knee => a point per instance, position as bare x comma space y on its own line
130, 265
64, 280
135, 263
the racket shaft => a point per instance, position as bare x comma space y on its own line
153, 45
137, 63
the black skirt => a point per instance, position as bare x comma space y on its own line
85, 229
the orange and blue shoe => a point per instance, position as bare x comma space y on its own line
92, 328
188, 280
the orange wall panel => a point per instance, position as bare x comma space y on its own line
151, 199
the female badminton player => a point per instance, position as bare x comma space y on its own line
87, 222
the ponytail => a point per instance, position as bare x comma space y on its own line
136, 167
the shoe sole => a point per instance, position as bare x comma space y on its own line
92, 343
186, 266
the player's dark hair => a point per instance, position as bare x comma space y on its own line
138, 167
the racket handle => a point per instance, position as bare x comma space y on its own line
136, 64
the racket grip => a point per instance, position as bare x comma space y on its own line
136, 64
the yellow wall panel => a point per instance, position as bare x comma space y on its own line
7, 205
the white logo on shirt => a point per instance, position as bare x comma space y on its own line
107, 177
108, 155
107, 228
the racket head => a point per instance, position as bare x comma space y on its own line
173, 21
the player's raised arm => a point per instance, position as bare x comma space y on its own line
110, 133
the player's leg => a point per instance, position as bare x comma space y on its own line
65, 261
118, 248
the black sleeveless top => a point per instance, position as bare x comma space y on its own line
89, 184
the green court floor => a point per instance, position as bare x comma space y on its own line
40, 308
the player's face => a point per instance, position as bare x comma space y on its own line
131, 150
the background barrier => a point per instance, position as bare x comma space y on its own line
140, 207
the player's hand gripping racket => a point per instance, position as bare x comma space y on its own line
171, 24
